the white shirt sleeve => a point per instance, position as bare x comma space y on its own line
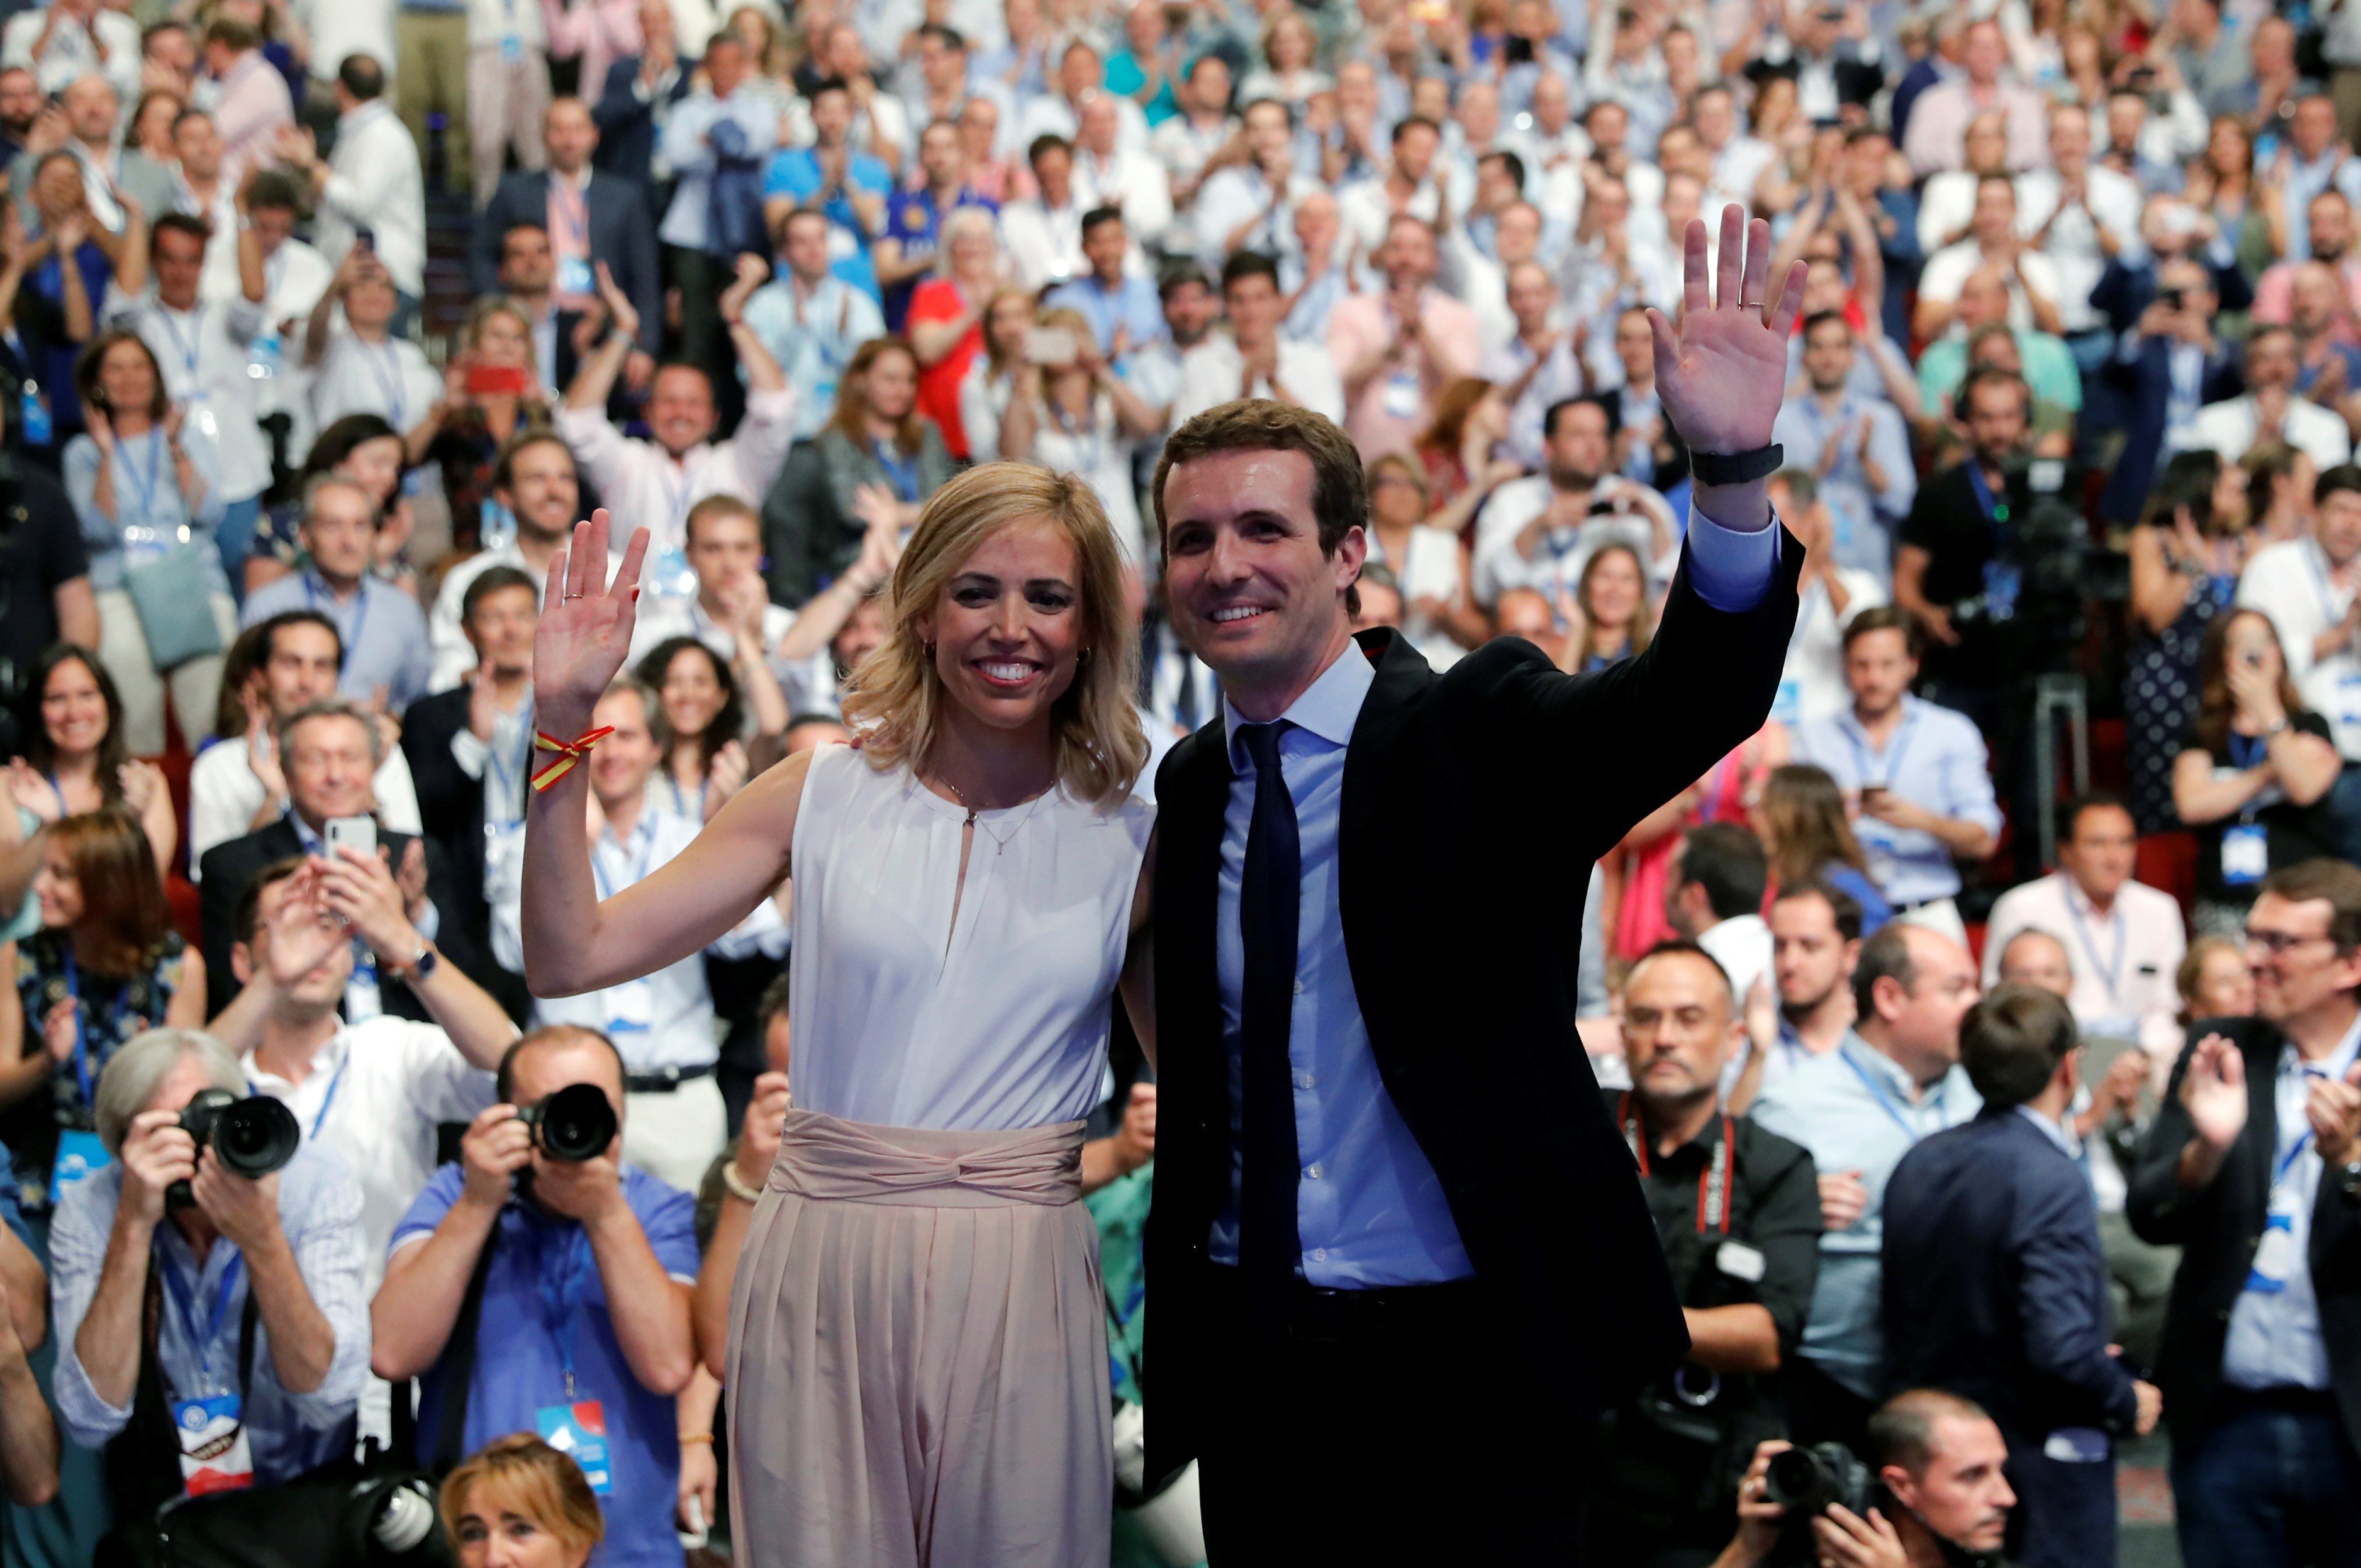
397, 796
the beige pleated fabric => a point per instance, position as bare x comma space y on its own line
917, 1372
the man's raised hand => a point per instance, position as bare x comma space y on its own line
586, 625
1721, 372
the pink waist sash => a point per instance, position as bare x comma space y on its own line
828, 1159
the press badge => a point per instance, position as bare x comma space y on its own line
1740, 1262
580, 1431
1401, 396
213, 1452
1787, 707
2246, 853
574, 277
79, 1153
631, 1008
674, 576
2268, 1276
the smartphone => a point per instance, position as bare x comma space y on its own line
1050, 345
2173, 298
1870, 793
364, 237
360, 832
493, 381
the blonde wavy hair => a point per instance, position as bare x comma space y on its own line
895, 696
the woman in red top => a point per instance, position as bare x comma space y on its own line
946, 318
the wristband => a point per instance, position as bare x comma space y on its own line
737, 1184
568, 752
688, 1437
1737, 467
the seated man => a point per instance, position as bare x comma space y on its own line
662, 1025
330, 751
2269, 410
236, 785
387, 658
1939, 1490
607, 1335
265, 1331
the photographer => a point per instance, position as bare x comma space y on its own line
582, 1308
1738, 1209
1938, 1498
261, 1330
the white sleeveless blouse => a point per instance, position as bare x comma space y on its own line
902, 1018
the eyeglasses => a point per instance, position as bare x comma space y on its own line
2278, 943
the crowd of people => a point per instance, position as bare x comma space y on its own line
2072, 399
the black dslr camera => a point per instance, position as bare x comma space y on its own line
251, 1138
575, 1125
1806, 1482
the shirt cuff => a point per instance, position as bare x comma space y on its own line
431, 925
470, 753
1730, 569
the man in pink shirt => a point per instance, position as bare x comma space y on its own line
1937, 137
2330, 216
254, 106
1396, 352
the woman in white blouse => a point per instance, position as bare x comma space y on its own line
918, 1281
1429, 563
1074, 415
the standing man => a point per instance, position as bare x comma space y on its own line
371, 183
387, 661
1895, 1080
1350, 1229
715, 142
1397, 350
1122, 309
2254, 1169
809, 320
1713, 895
906, 251
508, 92
1992, 1259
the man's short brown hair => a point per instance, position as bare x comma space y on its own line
1886, 618
1340, 490
2337, 881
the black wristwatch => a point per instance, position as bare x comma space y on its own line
1736, 467
418, 968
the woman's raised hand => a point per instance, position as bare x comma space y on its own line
586, 625
1722, 371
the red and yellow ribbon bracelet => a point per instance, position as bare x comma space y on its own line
568, 752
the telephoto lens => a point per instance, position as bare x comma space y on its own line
574, 1124
1804, 1481
251, 1136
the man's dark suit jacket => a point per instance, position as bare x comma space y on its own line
627, 131
620, 236
2219, 1227
229, 867
2144, 391
451, 804
1487, 791
1992, 1256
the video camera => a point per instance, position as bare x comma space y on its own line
251, 1136
2046, 567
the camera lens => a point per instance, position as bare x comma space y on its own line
1794, 1479
576, 1123
256, 1136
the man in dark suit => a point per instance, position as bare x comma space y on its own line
633, 103
471, 750
2253, 1169
1343, 1249
331, 751
591, 218
2167, 366
1991, 1258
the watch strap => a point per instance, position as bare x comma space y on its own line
1737, 467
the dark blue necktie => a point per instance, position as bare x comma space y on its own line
1270, 896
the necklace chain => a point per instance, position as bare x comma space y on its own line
973, 810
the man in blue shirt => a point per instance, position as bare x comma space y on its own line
1894, 1079
389, 658
1917, 770
906, 251
849, 185
811, 320
583, 1327
1124, 311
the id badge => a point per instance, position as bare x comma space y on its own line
142, 545
267, 355
574, 277
79, 1155
1788, 707
2246, 853
2001, 586
2348, 699
631, 1008
2267, 1275
213, 1452
580, 1431
511, 49
1401, 396
362, 1001
674, 576
1740, 1261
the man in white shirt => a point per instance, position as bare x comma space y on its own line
1043, 234
1738, 159
2078, 213
295, 276
655, 481
663, 1025
204, 350
371, 183
732, 612
2272, 410
1249, 205
1539, 532
2306, 586
236, 785
339, 30
1535, 368
1252, 360
1812, 682
69, 38
1713, 895
1107, 174
2124, 940
2032, 277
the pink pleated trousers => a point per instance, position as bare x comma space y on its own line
917, 1372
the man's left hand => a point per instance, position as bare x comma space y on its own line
2333, 1108
245, 1209
361, 888
700, 1477
1721, 372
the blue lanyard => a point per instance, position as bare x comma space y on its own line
334, 612
388, 371
675, 497
636, 872
2247, 751
1893, 754
680, 803
202, 1341
190, 350
503, 776
82, 1029
147, 496
2111, 969
1997, 511
903, 471
561, 1291
59, 790
1884, 1098
335, 1083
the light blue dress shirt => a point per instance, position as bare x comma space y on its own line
691, 156
1370, 1211
1865, 517
812, 353
2274, 1338
1936, 759
1856, 1110
383, 631
1133, 304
